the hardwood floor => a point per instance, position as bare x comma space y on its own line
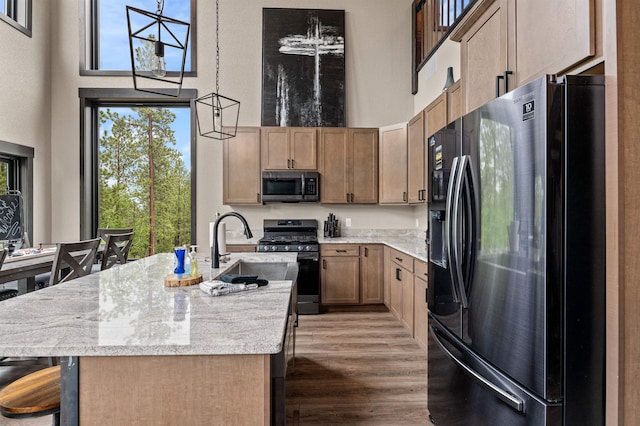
351, 368
356, 368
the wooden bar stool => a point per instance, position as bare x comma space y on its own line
34, 395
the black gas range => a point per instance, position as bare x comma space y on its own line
293, 235
297, 236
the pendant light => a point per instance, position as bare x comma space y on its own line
217, 115
156, 37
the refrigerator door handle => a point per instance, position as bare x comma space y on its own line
456, 260
508, 398
448, 228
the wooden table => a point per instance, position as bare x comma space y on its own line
25, 268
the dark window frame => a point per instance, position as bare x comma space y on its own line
90, 39
428, 30
90, 100
12, 16
21, 159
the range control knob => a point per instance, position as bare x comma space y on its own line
264, 248
274, 248
300, 248
308, 248
286, 248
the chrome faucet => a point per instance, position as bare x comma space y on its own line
215, 251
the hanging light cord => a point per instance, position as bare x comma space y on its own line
160, 7
217, 47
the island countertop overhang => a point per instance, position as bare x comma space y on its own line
127, 311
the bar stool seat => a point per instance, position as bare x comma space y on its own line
34, 395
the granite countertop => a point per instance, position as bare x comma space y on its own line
127, 310
411, 245
411, 242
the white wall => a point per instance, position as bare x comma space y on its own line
25, 104
378, 37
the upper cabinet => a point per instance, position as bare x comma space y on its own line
417, 160
349, 165
241, 167
289, 148
503, 46
393, 164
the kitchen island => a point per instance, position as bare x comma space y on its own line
148, 354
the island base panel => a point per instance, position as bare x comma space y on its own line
170, 390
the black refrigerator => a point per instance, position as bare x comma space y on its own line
517, 259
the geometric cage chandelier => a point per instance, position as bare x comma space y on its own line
217, 115
157, 46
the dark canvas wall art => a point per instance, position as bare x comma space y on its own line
303, 68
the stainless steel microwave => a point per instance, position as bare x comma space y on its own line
290, 187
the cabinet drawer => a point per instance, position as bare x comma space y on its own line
402, 259
339, 250
420, 268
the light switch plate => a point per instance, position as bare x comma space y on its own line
347, 222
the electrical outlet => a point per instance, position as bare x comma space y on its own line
417, 223
347, 222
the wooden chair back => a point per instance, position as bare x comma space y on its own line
116, 249
103, 232
77, 257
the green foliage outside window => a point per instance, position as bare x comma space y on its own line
143, 181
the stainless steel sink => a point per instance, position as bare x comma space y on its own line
272, 271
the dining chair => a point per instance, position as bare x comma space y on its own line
116, 249
6, 293
103, 232
73, 260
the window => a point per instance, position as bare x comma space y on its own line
16, 173
17, 13
139, 168
432, 21
105, 36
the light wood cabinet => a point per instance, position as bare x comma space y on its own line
289, 148
241, 248
402, 288
388, 276
436, 114
241, 167
371, 274
417, 193
349, 165
454, 102
420, 308
393, 164
502, 49
351, 274
483, 54
340, 274
364, 165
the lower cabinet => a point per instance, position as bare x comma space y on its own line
420, 308
402, 288
371, 276
351, 274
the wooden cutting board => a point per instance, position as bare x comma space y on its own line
182, 280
